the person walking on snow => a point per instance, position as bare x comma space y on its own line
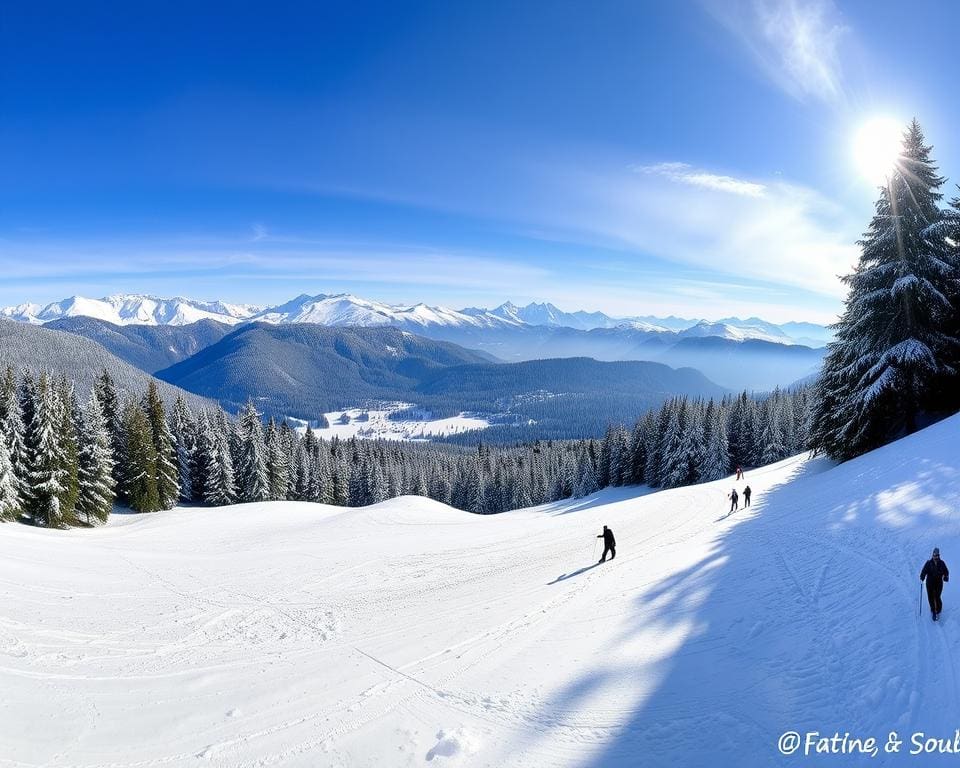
609, 544
739, 474
733, 500
746, 496
935, 573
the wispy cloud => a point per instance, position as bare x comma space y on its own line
761, 231
687, 174
797, 42
41, 271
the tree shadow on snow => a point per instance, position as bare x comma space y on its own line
793, 618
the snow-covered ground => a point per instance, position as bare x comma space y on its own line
409, 633
377, 424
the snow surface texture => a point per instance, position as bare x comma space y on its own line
411, 634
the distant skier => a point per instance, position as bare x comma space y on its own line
935, 572
739, 473
734, 500
609, 544
746, 497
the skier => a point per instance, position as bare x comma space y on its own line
609, 544
733, 500
935, 572
739, 473
746, 496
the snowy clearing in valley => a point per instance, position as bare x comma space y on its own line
409, 633
377, 425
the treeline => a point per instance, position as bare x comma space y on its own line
895, 364
65, 463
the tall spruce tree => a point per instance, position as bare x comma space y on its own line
253, 479
140, 473
47, 464
883, 373
113, 410
95, 464
219, 479
14, 430
67, 413
184, 431
167, 472
9, 484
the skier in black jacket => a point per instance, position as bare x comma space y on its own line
746, 496
609, 544
935, 573
733, 501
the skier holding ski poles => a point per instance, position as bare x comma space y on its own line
935, 572
734, 498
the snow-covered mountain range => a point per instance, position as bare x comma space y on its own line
133, 309
347, 309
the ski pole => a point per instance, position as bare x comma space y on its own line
920, 601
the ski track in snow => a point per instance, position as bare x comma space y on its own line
408, 633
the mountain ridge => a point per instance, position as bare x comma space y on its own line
348, 309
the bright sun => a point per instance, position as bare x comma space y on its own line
876, 147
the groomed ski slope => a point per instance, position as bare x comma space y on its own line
411, 634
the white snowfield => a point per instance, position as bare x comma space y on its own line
411, 634
377, 425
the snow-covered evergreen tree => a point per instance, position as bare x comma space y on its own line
694, 446
95, 465
113, 410
278, 462
675, 465
378, 490
716, 457
66, 408
586, 476
474, 495
46, 461
140, 473
771, 439
9, 484
220, 483
883, 373
14, 430
168, 473
184, 431
252, 477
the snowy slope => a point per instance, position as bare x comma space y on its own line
298, 635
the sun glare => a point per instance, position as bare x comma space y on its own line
876, 147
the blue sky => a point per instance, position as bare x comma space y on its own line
636, 157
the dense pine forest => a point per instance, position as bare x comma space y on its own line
65, 462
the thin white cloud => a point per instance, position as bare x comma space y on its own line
788, 235
687, 174
798, 43
27, 266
